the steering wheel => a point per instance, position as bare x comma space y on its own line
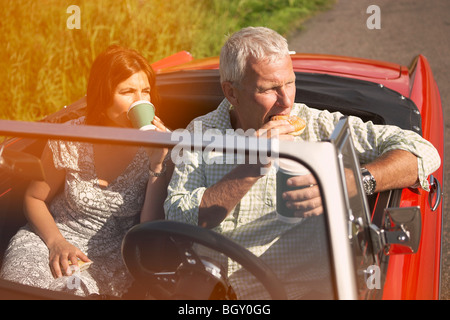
161, 258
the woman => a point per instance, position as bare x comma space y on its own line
106, 190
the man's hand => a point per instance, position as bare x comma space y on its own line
306, 200
276, 129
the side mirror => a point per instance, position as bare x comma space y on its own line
401, 231
21, 164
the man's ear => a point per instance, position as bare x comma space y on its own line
230, 92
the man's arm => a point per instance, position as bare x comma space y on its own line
219, 199
373, 144
395, 169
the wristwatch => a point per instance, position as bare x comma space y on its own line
369, 181
158, 174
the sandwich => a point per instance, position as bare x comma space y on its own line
298, 123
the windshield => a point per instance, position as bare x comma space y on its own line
94, 210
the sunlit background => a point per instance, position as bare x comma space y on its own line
45, 58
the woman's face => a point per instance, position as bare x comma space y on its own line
133, 89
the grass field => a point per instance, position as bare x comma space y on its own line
45, 56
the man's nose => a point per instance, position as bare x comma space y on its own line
284, 99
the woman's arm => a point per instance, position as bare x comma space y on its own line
37, 195
156, 193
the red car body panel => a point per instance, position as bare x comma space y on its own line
392, 75
409, 276
417, 276
175, 59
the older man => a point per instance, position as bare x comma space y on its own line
258, 81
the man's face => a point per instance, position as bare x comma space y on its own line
267, 89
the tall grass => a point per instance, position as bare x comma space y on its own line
44, 65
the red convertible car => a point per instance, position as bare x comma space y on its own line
386, 246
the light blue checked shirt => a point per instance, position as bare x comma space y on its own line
253, 222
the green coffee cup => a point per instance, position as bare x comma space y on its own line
286, 169
141, 114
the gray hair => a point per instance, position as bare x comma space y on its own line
258, 42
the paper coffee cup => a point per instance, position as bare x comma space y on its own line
286, 169
141, 114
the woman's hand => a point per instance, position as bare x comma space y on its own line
60, 253
157, 155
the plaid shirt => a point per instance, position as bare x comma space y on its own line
253, 222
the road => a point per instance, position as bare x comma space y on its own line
407, 28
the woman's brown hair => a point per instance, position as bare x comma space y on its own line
110, 68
